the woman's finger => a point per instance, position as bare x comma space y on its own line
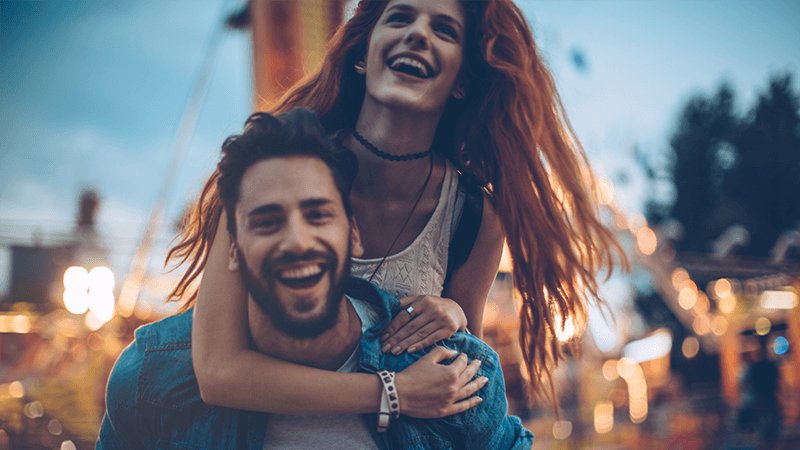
415, 337
459, 364
472, 387
405, 302
432, 338
462, 406
470, 371
399, 321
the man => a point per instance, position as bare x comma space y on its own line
284, 188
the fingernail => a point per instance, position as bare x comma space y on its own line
480, 399
412, 349
396, 351
385, 348
479, 362
484, 380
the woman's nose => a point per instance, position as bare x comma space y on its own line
418, 37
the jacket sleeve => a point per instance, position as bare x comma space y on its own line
488, 425
121, 428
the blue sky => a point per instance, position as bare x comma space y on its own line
91, 93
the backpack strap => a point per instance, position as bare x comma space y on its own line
467, 216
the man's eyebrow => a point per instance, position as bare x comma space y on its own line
269, 208
316, 201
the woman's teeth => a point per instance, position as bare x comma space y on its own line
405, 63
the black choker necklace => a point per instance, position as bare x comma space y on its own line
388, 156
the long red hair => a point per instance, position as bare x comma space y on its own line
511, 133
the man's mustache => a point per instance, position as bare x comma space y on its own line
288, 258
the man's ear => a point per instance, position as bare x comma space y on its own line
355, 239
233, 261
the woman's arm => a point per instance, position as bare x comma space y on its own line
230, 374
436, 318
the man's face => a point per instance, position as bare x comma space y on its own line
293, 243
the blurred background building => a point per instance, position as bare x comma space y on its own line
689, 112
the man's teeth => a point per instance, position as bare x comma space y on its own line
410, 62
301, 272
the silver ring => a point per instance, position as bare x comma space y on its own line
410, 311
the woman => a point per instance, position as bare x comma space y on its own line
462, 79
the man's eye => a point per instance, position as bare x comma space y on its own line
398, 17
266, 224
317, 216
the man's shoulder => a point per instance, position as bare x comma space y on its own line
156, 368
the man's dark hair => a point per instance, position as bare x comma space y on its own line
294, 133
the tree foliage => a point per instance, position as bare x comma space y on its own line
730, 168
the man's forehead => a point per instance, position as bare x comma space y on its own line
287, 181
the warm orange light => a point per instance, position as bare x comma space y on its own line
562, 429
687, 297
722, 288
16, 390
763, 325
679, 275
646, 240
701, 325
702, 305
565, 329
719, 325
610, 370
727, 304
605, 191
603, 416
690, 347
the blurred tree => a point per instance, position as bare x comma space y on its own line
737, 170
706, 125
765, 178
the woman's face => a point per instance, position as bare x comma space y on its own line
415, 54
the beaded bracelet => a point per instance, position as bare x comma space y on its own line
390, 401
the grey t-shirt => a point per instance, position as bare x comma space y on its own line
333, 431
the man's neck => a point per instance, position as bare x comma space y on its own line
327, 351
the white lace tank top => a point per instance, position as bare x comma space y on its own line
420, 268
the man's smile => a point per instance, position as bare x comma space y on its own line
301, 276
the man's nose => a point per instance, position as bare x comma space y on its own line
297, 237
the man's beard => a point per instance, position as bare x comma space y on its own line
263, 291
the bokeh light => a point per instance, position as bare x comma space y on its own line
646, 241
562, 429
763, 325
690, 347
781, 345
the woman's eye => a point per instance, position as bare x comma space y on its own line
398, 17
447, 30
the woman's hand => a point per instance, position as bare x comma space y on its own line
429, 390
426, 320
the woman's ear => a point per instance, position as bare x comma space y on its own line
357, 248
460, 92
360, 67
233, 260
461, 88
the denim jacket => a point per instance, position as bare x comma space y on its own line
153, 400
